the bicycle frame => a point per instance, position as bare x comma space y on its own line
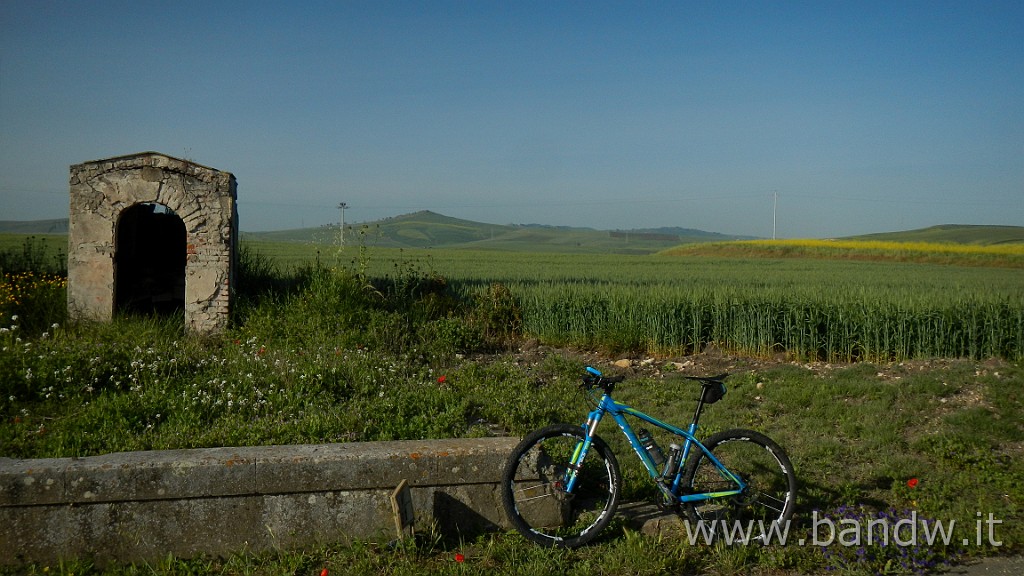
619, 411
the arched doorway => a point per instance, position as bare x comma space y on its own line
150, 261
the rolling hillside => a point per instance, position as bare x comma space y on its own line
953, 234
426, 229
34, 226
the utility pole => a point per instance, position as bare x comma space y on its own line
341, 233
775, 205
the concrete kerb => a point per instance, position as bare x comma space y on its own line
138, 506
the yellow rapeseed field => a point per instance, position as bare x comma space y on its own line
880, 246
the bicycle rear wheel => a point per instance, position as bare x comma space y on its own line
534, 487
762, 465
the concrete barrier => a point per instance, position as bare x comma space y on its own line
138, 506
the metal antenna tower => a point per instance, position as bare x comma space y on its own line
775, 205
341, 232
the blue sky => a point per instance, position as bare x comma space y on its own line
862, 116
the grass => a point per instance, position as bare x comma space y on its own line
856, 434
415, 358
39, 254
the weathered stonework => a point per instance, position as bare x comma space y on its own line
144, 506
202, 198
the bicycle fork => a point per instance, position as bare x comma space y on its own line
576, 462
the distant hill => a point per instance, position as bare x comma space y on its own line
426, 229
953, 234
34, 226
419, 229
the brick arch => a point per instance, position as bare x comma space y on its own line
203, 198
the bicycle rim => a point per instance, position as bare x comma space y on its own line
761, 464
534, 488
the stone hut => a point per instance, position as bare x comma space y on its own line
149, 233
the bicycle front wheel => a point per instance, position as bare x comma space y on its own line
536, 492
762, 466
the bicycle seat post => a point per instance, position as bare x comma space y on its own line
697, 412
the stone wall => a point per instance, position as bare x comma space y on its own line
141, 506
204, 199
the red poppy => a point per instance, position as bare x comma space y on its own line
912, 483
441, 379
459, 557
323, 572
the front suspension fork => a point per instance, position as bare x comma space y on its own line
582, 447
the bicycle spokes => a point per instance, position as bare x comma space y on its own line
556, 500
766, 476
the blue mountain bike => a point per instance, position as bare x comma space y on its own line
560, 486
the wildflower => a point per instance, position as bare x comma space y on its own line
912, 483
442, 379
460, 557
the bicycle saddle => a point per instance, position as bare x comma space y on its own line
713, 387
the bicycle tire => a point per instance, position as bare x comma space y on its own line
761, 463
534, 497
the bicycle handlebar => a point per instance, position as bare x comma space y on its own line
594, 379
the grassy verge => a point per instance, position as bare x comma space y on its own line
939, 439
